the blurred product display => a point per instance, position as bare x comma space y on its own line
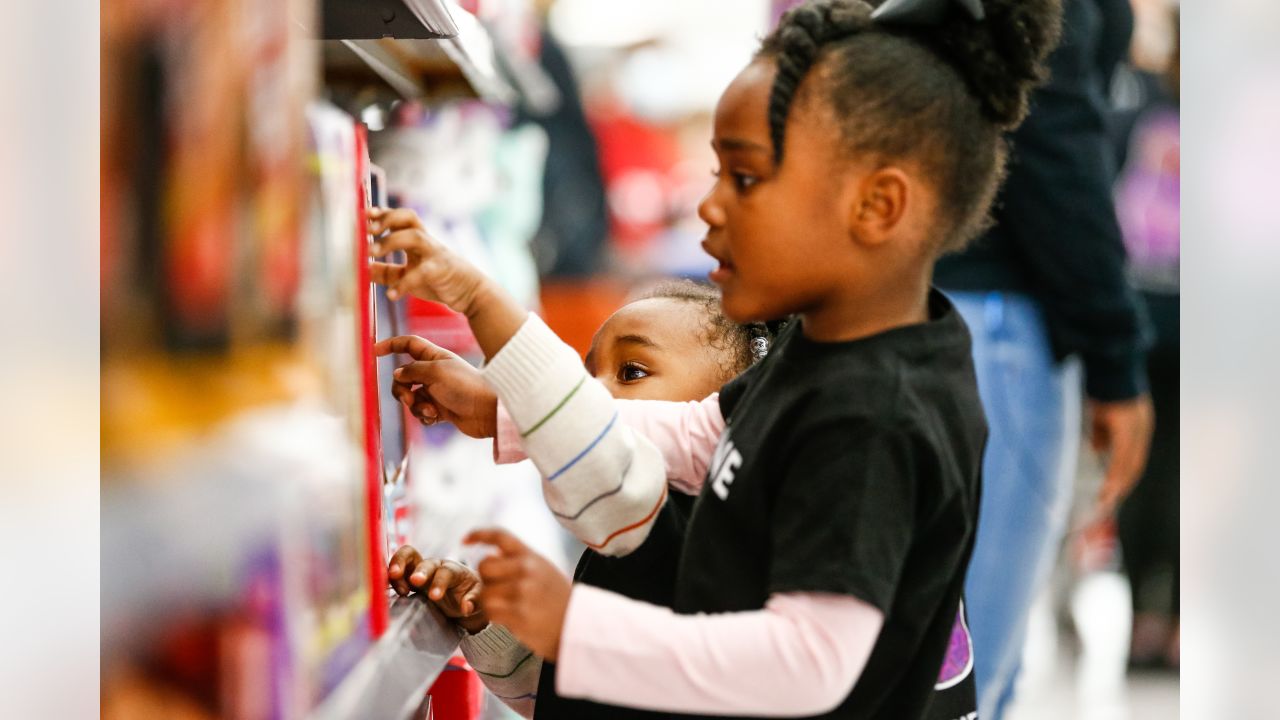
256, 469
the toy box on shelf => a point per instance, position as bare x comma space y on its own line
256, 469
241, 516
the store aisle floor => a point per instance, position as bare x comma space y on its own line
1058, 693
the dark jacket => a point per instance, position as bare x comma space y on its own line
1056, 236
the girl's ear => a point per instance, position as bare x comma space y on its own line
879, 205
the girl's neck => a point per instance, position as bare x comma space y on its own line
852, 316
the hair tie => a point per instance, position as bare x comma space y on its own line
759, 347
923, 12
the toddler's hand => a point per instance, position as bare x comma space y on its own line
433, 271
452, 586
523, 591
441, 386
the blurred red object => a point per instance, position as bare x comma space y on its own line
442, 326
378, 608
1097, 548
458, 693
638, 160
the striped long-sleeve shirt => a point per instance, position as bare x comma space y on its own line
603, 482
686, 434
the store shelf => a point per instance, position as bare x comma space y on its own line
392, 680
371, 19
475, 53
458, 59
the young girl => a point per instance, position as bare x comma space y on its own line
673, 344
823, 563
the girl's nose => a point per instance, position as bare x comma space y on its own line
710, 210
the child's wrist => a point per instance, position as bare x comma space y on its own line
473, 624
483, 300
489, 418
494, 317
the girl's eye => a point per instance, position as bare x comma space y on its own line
631, 372
742, 182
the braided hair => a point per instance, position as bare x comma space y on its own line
941, 94
742, 344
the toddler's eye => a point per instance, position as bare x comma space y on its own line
631, 372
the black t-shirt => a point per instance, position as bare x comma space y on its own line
852, 468
646, 574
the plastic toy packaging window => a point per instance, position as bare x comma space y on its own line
390, 321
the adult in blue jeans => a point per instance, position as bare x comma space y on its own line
1047, 301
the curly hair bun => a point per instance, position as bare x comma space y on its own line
1001, 57
939, 81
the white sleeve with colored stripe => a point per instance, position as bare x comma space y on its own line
508, 669
603, 482
685, 432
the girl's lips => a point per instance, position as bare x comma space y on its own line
724, 271
721, 274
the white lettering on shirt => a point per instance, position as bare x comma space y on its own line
727, 459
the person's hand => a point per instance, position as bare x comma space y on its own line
1122, 431
439, 385
452, 586
432, 271
523, 591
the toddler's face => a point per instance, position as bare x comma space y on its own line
656, 349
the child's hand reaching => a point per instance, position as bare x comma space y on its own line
452, 586
433, 271
523, 591
441, 386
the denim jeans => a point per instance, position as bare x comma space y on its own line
1033, 409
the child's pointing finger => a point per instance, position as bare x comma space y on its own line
505, 542
497, 571
412, 345
394, 219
